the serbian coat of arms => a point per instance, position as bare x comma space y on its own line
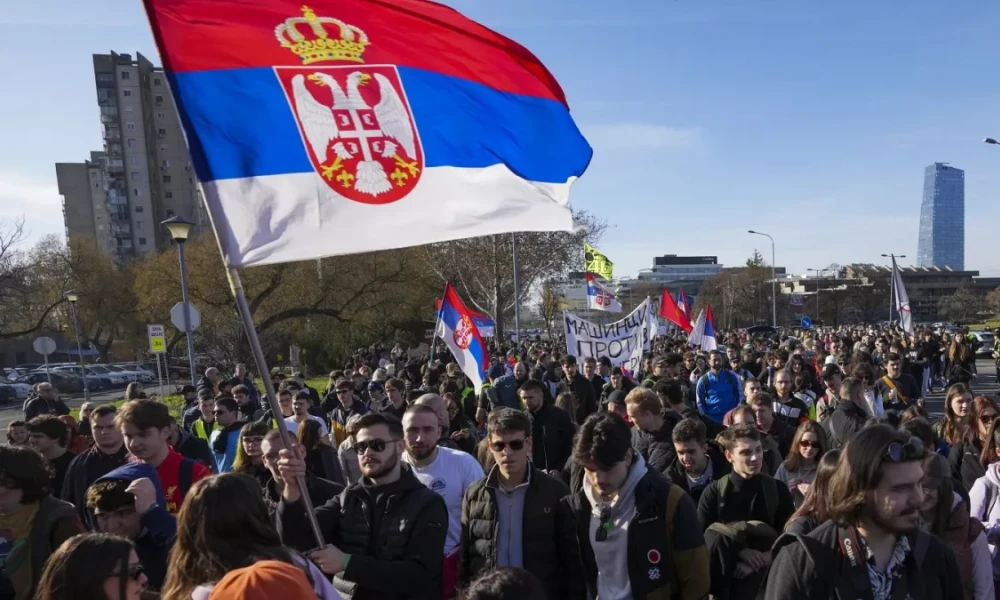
354, 118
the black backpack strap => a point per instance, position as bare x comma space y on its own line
184, 477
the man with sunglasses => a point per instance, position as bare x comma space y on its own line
402, 557
638, 533
872, 546
514, 518
349, 405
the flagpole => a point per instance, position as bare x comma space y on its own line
236, 286
892, 283
517, 299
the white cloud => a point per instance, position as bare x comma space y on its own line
37, 202
644, 136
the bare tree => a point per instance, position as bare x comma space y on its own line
481, 268
962, 307
27, 299
549, 303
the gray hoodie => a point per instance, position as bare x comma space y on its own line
611, 555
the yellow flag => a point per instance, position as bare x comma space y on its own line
596, 263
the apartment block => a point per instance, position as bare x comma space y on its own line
145, 172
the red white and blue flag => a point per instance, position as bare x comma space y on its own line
671, 311
702, 335
600, 298
459, 332
360, 125
684, 303
484, 323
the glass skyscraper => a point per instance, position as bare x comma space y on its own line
941, 241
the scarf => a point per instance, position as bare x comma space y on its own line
220, 443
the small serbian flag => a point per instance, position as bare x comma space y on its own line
348, 126
684, 303
600, 298
458, 331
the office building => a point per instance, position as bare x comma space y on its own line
144, 174
671, 267
941, 239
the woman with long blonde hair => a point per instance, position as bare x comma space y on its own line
224, 525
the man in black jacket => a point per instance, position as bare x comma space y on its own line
513, 517
403, 557
638, 533
671, 394
652, 428
873, 534
551, 432
107, 454
850, 415
574, 381
731, 508
590, 372
698, 461
618, 382
191, 447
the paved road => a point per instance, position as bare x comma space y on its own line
984, 385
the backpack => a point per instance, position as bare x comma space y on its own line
769, 488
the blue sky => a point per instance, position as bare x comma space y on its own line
810, 121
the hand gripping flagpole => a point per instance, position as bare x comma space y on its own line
236, 285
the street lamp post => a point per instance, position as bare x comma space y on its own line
892, 281
72, 297
818, 272
774, 282
179, 228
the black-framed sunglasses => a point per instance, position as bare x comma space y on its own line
134, 572
911, 450
514, 445
375, 445
604, 526
987, 419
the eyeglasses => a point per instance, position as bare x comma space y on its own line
375, 445
808, 444
987, 419
134, 572
514, 445
604, 526
911, 450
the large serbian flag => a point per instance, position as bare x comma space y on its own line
483, 323
359, 125
458, 331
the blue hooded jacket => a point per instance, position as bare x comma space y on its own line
159, 528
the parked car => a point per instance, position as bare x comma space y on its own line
986, 340
21, 390
95, 381
114, 378
131, 375
28, 367
144, 375
65, 383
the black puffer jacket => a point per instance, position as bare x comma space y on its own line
394, 533
844, 423
548, 543
658, 447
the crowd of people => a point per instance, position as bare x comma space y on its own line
774, 467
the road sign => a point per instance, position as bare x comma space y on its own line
807, 323
44, 345
177, 316
157, 339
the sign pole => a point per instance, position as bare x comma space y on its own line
159, 374
236, 286
49, 375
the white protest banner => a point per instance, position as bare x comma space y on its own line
622, 342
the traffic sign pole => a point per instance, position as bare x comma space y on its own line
159, 374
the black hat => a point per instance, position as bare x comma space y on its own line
830, 369
617, 397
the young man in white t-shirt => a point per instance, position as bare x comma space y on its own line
443, 470
300, 410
